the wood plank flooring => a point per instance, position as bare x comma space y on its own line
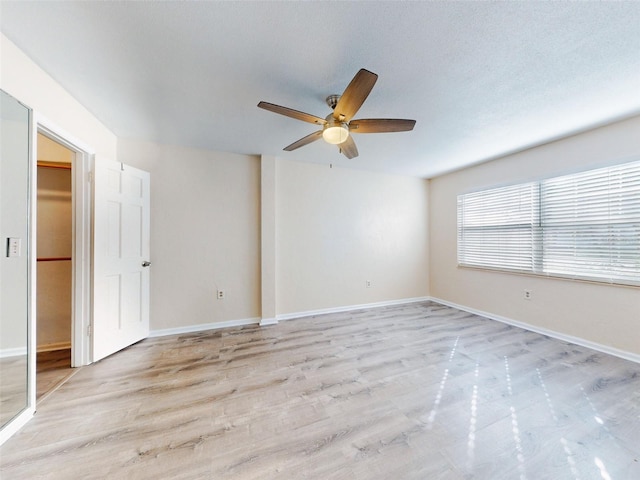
418, 391
13, 378
52, 370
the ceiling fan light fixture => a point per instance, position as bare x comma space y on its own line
337, 125
335, 134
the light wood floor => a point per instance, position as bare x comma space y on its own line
13, 378
52, 370
419, 391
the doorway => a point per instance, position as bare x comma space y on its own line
63, 237
105, 253
53, 264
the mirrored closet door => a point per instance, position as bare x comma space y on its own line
15, 264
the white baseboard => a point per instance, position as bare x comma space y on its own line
348, 308
544, 331
204, 326
274, 321
309, 313
13, 352
50, 347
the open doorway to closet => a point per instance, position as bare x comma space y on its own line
54, 292
105, 306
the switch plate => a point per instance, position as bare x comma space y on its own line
14, 245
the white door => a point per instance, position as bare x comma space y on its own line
121, 257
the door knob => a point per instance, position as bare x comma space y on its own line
146, 264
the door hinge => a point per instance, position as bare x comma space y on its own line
89, 330
90, 177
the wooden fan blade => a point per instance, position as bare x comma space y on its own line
290, 112
348, 148
304, 141
381, 125
354, 95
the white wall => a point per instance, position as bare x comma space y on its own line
27, 82
607, 315
205, 233
337, 228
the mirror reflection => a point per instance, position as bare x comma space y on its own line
14, 254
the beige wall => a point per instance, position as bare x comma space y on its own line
337, 228
54, 231
206, 220
50, 151
603, 314
205, 233
54, 240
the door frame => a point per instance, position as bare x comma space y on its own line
81, 194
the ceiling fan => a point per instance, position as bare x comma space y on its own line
337, 127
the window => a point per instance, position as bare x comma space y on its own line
582, 226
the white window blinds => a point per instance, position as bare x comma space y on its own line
591, 224
583, 226
497, 228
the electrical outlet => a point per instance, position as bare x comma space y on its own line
220, 294
527, 294
368, 283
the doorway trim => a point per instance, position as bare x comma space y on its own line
81, 195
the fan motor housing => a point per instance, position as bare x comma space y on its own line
332, 101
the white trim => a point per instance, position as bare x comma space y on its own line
265, 322
13, 352
16, 424
60, 135
30, 410
274, 321
348, 308
82, 198
204, 326
51, 347
633, 357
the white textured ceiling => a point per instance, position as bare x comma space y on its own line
481, 78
